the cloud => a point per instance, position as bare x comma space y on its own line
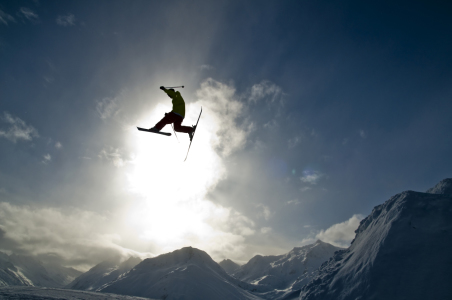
68, 20
58, 145
311, 177
341, 234
47, 158
29, 14
112, 155
107, 107
294, 201
266, 90
272, 124
48, 79
18, 129
266, 230
362, 134
206, 67
265, 213
80, 238
223, 102
5, 18
293, 142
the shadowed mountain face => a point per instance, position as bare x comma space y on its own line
401, 251
290, 270
229, 266
444, 187
102, 274
187, 273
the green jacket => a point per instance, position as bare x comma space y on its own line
178, 102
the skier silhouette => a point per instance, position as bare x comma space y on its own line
176, 116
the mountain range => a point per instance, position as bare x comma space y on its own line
400, 251
22, 270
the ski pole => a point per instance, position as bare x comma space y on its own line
174, 87
175, 133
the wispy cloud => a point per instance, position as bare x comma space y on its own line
68, 20
293, 142
272, 124
362, 134
265, 211
266, 90
221, 99
107, 107
58, 145
29, 14
113, 155
5, 18
294, 201
46, 158
18, 129
48, 79
206, 67
311, 177
266, 230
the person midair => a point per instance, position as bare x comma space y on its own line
176, 116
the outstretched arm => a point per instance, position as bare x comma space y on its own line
170, 92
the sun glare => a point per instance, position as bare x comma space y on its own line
173, 212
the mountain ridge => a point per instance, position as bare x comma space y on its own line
400, 251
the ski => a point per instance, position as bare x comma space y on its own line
147, 130
196, 127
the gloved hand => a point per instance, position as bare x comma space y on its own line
162, 88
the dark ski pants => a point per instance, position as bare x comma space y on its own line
171, 118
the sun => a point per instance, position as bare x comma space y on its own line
173, 210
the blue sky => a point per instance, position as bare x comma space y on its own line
314, 112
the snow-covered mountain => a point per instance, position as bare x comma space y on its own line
28, 271
291, 270
443, 187
103, 273
402, 250
229, 266
187, 273
9, 274
62, 275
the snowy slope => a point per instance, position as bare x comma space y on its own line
9, 274
290, 270
187, 273
402, 250
33, 270
62, 275
102, 274
229, 266
36, 293
443, 187
29, 271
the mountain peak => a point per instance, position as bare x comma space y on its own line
443, 187
408, 236
229, 266
180, 274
